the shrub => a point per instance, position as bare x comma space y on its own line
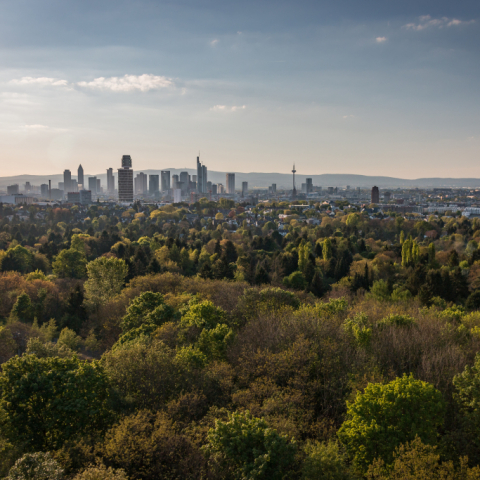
35, 466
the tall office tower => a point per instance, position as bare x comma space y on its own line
304, 188
92, 185
204, 178
99, 187
13, 189
214, 189
73, 186
375, 195
220, 188
44, 190
230, 182
141, 183
244, 189
28, 187
175, 180
209, 187
201, 177
309, 185
165, 180
274, 188
67, 180
80, 176
387, 197
153, 184
110, 181
125, 180
185, 180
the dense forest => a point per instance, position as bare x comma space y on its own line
219, 341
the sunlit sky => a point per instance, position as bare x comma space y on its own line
346, 86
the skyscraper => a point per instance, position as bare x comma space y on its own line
230, 182
244, 189
110, 181
141, 183
125, 180
92, 185
153, 184
165, 180
309, 185
80, 176
67, 180
185, 181
201, 177
175, 180
375, 195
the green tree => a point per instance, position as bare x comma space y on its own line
204, 315
36, 466
214, 342
327, 249
46, 401
106, 277
385, 416
22, 310
101, 472
18, 259
324, 461
69, 339
248, 448
70, 263
147, 309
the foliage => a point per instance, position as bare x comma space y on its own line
248, 448
36, 466
101, 472
46, 401
324, 461
385, 416
106, 277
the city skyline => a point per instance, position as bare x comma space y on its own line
338, 87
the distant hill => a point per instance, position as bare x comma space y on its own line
283, 180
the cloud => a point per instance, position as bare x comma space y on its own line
43, 81
381, 39
225, 108
129, 83
426, 21
214, 42
348, 116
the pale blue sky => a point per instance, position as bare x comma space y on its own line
371, 87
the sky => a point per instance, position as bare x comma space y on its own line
347, 86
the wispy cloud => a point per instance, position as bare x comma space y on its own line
426, 21
225, 108
129, 83
214, 42
43, 81
381, 39
345, 117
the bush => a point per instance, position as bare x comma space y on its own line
324, 461
101, 472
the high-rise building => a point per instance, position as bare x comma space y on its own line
244, 189
80, 176
230, 182
201, 177
92, 185
177, 195
175, 180
165, 180
61, 185
214, 189
375, 195
110, 181
125, 180
99, 186
153, 184
73, 186
387, 197
185, 180
141, 184
309, 185
28, 187
13, 190
274, 188
44, 190
220, 188
67, 180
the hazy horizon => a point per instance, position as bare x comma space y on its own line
344, 87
